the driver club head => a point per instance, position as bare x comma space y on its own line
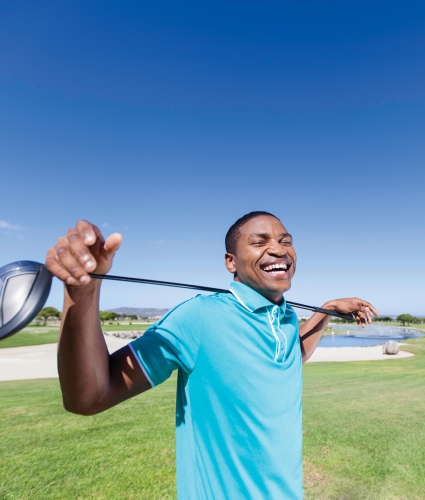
24, 288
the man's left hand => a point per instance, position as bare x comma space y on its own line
360, 308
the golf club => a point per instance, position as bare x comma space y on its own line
25, 286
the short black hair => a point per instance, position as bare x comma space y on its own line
233, 232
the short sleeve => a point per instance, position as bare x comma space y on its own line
170, 344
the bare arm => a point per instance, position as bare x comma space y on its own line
311, 331
91, 379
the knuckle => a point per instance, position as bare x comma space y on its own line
50, 262
71, 229
83, 256
61, 249
73, 236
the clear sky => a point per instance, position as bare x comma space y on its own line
166, 121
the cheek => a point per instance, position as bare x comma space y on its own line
248, 267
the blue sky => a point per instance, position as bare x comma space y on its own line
168, 121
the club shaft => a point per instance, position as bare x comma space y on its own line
111, 277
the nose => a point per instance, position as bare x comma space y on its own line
276, 249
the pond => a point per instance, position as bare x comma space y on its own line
369, 336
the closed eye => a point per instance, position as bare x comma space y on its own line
287, 243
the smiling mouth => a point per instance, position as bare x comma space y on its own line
277, 270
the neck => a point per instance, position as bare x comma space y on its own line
271, 295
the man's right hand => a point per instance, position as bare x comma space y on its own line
83, 250
91, 379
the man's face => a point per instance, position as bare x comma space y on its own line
265, 258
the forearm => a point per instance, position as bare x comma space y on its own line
83, 357
311, 332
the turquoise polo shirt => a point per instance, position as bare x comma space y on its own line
238, 410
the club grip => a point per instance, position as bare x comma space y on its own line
348, 316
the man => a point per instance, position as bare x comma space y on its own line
238, 356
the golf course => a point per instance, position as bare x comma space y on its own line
363, 436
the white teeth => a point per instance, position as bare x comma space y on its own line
276, 267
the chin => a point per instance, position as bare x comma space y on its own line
280, 284
286, 288
278, 287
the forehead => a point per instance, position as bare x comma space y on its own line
262, 224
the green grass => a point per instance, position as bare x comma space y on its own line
47, 453
365, 428
395, 324
36, 335
31, 336
364, 438
126, 327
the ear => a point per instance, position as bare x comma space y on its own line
229, 261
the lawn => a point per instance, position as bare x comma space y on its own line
364, 437
46, 453
394, 324
35, 335
32, 336
364, 428
116, 327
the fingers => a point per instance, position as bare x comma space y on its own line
105, 250
67, 260
363, 312
56, 269
111, 245
88, 232
361, 319
72, 258
366, 308
61, 262
80, 250
83, 250
368, 305
361, 309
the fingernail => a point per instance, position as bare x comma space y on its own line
69, 280
89, 238
85, 258
84, 279
88, 265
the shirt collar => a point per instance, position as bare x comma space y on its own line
250, 299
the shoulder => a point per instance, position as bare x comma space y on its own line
191, 310
291, 315
289, 311
181, 311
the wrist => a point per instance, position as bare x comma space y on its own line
82, 292
331, 305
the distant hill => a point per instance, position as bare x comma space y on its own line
148, 312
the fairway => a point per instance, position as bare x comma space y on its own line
37, 335
364, 437
31, 336
364, 428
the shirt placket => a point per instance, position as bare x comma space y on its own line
280, 337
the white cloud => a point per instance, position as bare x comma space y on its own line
7, 225
106, 224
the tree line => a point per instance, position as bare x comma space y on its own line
52, 312
404, 319
111, 316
